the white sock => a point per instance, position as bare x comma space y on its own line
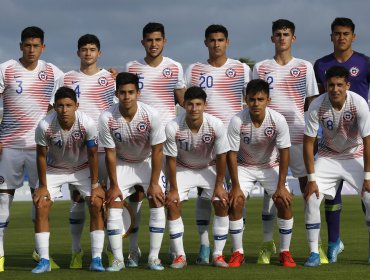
42, 244
236, 229
97, 243
268, 217
114, 230
157, 223
176, 231
313, 222
203, 211
5, 202
220, 230
134, 244
285, 230
76, 224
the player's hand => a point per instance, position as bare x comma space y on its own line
284, 195
155, 194
221, 194
311, 188
113, 193
1, 148
365, 187
172, 197
235, 195
114, 72
41, 197
97, 194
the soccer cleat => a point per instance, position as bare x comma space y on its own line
334, 249
179, 262
36, 258
313, 260
76, 260
133, 258
323, 257
116, 266
96, 265
219, 261
268, 248
286, 259
203, 256
110, 256
236, 259
42, 266
155, 264
171, 255
2, 260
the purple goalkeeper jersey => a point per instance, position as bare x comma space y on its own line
358, 66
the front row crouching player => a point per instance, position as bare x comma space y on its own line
67, 154
344, 152
132, 135
259, 141
195, 150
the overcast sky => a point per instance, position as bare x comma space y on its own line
119, 24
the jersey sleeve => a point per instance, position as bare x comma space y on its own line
157, 134
233, 133
91, 132
188, 76
247, 74
316, 69
283, 136
40, 133
170, 146
363, 118
221, 141
3, 68
58, 83
180, 79
105, 137
311, 84
312, 118
255, 72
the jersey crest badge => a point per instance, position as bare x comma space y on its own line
207, 138
347, 116
230, 72
43, 76
167, 73
354, 71
76, 135
2, 180
142, 127
103, 81
269, 132
295, 72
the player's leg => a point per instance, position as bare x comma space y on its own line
220, 231
6, 199
366, 202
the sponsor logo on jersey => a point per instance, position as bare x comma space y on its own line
103, 81
167, 73
43, 76
76, 135
2, 180
347, 116
269, 131
142, 127
207, 138
354, 71
295, 72
230, 72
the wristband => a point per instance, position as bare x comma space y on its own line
312, 177
95, 185
366, 175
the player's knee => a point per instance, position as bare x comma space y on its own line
238, 205
220, 209
173, 211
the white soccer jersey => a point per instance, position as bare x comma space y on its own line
224, 86
157, 84
258, 147
342, 130
67, 151
132, 140
290, 85
26, 96
196, 150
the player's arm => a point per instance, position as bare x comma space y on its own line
110, 162
235, 191
366, 143
41, 193
179, 96
308, 156
96, 189
173, 193
220, 191
155, 193
281, 190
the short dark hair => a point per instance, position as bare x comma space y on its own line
337, 71
65, 92
32, 32
125, 78
195, 93
216, 28
153, 27
283, 24
342, 21
88, 39
257, 85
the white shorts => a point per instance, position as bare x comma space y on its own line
131, 174
188, 178
80, 180
267, 178
296, 163
13, 162
330, 172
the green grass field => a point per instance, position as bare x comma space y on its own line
352, 264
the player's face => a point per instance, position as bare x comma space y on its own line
337, 89
127, 96
194, 109
32, 49
283, 39
217, 44
257, 104
342, 38
66, 108
153, 44
88, 54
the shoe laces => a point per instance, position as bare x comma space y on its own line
235, 256
179, 259
286, 257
